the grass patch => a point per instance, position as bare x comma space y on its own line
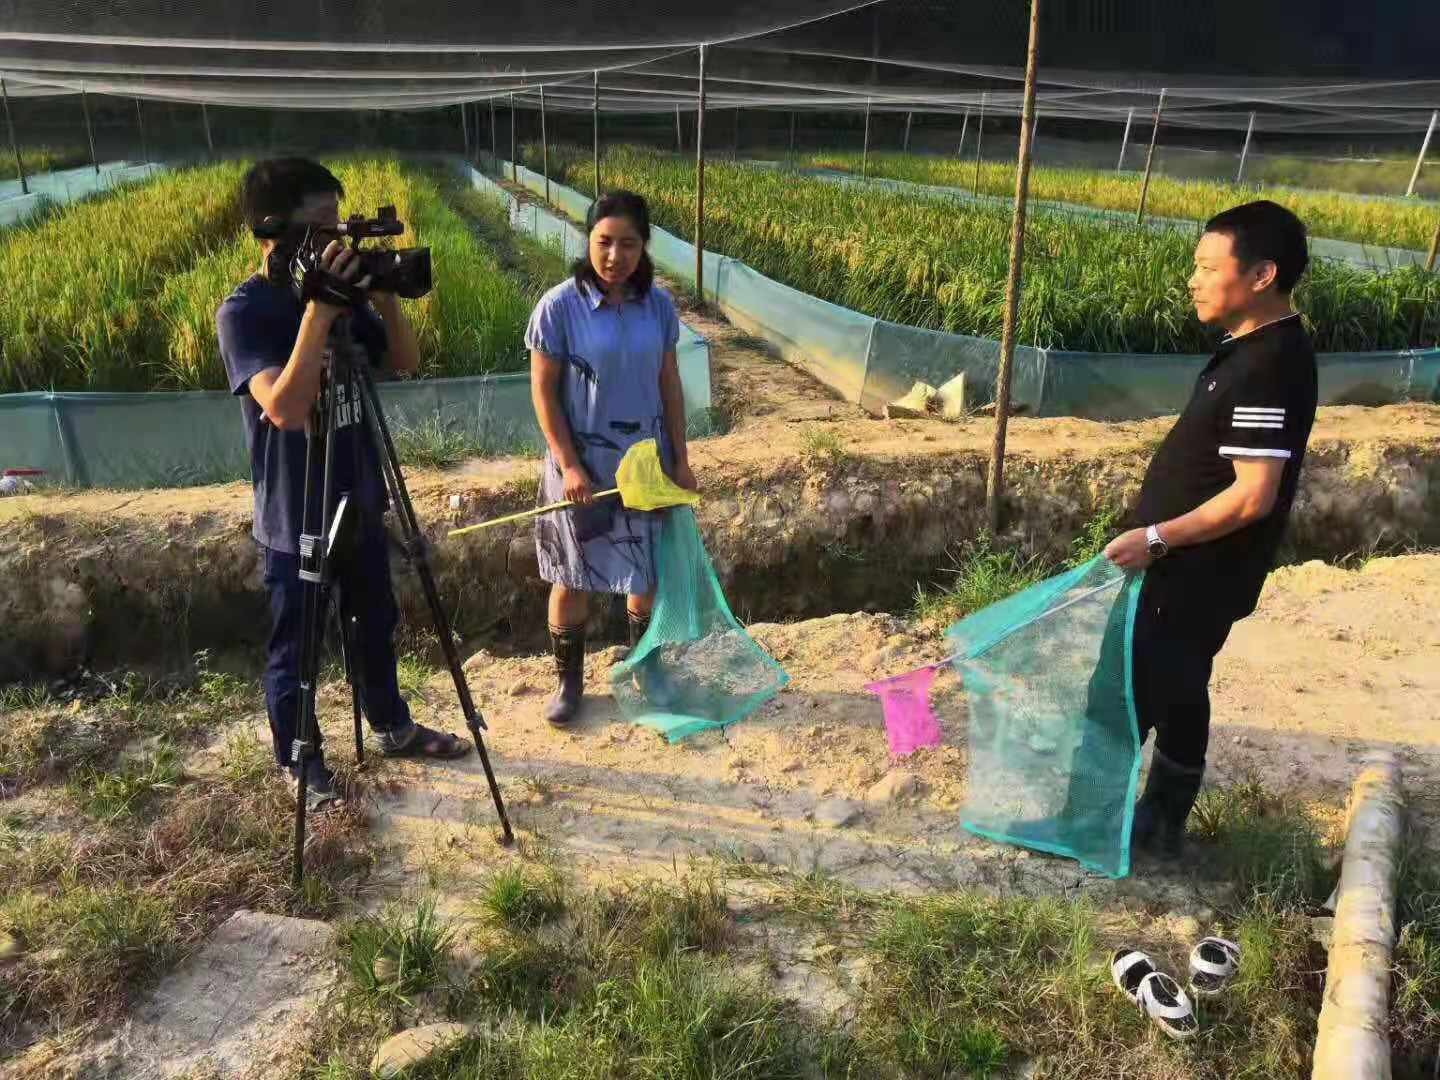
125, 791
1093, 538
518, 898
396, 955
981, 574
821, 446
1415, 998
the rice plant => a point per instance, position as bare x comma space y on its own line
1386, 223
1089, 285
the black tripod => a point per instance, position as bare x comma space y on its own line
348, 390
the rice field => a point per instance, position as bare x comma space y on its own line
942, 265
1385, 223
104, 305
42, 159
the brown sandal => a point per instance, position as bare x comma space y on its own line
425, 742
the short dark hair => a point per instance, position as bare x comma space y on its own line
278, 187
624, 204
1266, 230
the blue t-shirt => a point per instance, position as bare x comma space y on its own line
257, 326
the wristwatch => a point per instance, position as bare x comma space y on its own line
1155, 543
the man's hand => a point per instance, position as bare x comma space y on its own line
1130, 550
344, 263
685, 476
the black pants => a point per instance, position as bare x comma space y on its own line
365, 592
1175, 644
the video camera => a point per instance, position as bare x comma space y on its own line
296, 259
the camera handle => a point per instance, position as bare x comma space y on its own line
323, 540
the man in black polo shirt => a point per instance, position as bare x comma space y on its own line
275, 352
1216, 497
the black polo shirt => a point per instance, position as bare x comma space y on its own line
1256, 398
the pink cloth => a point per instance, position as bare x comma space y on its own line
910, 723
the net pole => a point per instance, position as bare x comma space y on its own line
909, 116
964, 129
544, 145
205, 122
465, 130
792, 132
1424, 149
1434, 250
14, 142
1125, 139
1245, 150
700, 184
679, 136
979, 140
995, 480
1150, 158
865, 146
514, 163
595, 132
494, 146
735, 142
140, 124
89, 133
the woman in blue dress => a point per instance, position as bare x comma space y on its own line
603, 376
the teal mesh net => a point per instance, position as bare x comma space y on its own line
696, 668
1054, 746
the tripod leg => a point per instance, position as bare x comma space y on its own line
350, 656
414, 544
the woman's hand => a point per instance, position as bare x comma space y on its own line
578, 486
685, 477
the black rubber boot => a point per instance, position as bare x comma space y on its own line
1160, 815
569, 645
638, 624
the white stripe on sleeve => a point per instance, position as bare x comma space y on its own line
1252, 451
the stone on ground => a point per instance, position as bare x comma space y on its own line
414, 1047
836, 813
895, 785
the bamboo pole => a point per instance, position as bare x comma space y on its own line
1424, 149
865, 147
909, 116
1245, 150
89, 133
1125, 139
544, 145
465, 130
1352, 1035
1150, 158
679, 135
979, 141
494, 145
595, 132
792, 131
205, 121
995, 480
700, 184
514, 163
964, 128
735, 142
1434, 249
14, 143
140, 124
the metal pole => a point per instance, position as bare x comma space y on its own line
1125, 139
679, 135
700, 185
544, 145
595, 133
1424, 148
735, 142
205, 120
1245, 150
493, 145
14, 144
792, 132
865, 149
979, 140
1150, 158
995, 480
514, 163
1434, 250
909, 116
140, 123
964, 128
89, 135
465, 130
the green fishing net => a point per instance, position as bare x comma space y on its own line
696, 668
1053, 742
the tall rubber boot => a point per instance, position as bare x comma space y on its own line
568, 643
1170, 793
650, 679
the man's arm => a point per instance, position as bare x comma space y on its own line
402, 351
1247, 500
286, 395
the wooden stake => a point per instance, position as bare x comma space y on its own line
792, 132
14, 143
1125, 139
1245, 150
1434, 250
1424, 148
995, 480
679, 135
979, 141
700, 184
144, 144
595, 134
465, 130
1150, 158
89, 134
205, 120
514, 163
544, 145
865, 149
964, 128
494, 147
909, 116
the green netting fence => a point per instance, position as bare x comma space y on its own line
872, 362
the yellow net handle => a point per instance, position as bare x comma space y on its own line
529, 513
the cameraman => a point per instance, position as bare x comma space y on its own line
275, 352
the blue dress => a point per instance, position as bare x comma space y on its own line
610, 392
